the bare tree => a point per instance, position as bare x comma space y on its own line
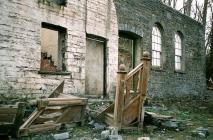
209, 57
174, 3
205, 12
187, 7
198, 9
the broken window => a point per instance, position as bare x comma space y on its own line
52, 48
178, 52
156, 46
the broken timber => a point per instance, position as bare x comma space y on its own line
128, 108
11, 119
54, 111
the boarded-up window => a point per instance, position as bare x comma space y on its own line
52, 48
94, 69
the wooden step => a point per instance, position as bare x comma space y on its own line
109, 118
109, 109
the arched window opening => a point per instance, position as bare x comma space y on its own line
156, 47
178, 52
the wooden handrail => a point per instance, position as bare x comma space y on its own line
123, 100
134, 71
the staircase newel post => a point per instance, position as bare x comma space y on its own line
119, 97
144, 84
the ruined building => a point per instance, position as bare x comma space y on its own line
43, 42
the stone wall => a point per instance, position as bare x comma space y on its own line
20, 44
138, 17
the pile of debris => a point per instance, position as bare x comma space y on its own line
53, 113
50, 114
11, 118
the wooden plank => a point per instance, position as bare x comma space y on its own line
42, 104
65, 99
71, 114
57, 102
159, 116
109, 119
7, 118
8, 110
47, 117
57, 91
144, 84
130, 112
42, 128
119, 97
53, 109
127, 95
135, 70
110, 108
30, 119
18, 119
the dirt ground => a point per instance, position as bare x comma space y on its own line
192, 114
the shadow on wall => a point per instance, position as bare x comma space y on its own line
58, 2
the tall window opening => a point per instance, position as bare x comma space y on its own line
52, 48
178, 52
156, 46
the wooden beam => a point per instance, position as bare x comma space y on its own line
119, 98
18, 119
144, 84
28, 122
135, 70
57, 91
61, 101
41, 128
8, 110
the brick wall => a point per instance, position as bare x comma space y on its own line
20, 44
139, 16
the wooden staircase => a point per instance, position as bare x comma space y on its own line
131, 92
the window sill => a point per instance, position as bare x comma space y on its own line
180, 71
54, 73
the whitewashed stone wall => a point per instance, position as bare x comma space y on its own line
20, 44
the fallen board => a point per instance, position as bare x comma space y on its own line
11, 119
52, 112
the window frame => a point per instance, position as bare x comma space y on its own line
62, 38
156, 46
178, 52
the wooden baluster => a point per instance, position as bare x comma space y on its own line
139, 81
144, 85
128, 87
119, 98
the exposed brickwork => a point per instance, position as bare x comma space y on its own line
20, 43
139, 16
